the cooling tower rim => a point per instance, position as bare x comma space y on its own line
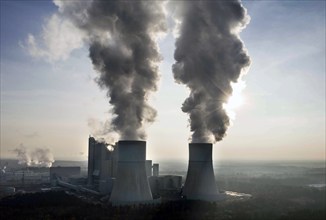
130, 141
200, 152
200, 143
132, 150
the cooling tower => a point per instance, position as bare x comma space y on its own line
131, 184
200, 182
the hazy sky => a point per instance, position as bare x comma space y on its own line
48, 98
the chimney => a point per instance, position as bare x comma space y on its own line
90, 167
200, 182
156, 169
131, 184
149, 168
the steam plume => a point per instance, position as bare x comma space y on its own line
209, 56
3, 170
38, 157
122, 48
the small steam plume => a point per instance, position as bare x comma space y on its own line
102, 131
38, 157
42, 157
209, 57
22, 155
123, 51
3, 170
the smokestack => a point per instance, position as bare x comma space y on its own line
156, 169
131, 184
149, 168
200, 182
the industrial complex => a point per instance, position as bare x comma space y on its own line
120, 174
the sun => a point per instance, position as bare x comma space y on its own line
236, 100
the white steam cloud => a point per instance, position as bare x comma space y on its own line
209, 57
58, 39
40, 157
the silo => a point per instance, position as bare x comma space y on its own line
131, 184
200, 181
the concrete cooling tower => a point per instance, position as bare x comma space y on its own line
131, 184
200, 182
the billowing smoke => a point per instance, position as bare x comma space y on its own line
38, 157
102, 131
122, 48
209, 57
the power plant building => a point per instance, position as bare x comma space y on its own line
64, 172
122, 175
102, 165
127, 177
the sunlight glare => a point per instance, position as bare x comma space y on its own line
236, 100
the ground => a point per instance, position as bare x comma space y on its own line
272, 201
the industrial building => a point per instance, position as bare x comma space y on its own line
64, 172
167, 185
121, 174
102, 165
124, 173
